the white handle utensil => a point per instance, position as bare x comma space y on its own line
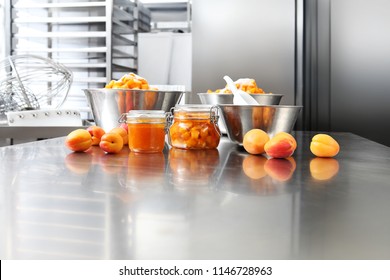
240, 97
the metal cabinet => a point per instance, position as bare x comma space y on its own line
170, 15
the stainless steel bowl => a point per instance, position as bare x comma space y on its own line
225, 98
109, 104
239, 119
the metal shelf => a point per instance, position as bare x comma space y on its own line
60, 20
172, 10
29, 5
61, 50
100, 37
86, 34
101, 80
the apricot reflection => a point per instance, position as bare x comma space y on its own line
253, 166
257, 117
323, 169
234, 121
260, 183
266, 176
192, 167
78, 163
280, 169
113, 163
96, 152
259, 175
262, 117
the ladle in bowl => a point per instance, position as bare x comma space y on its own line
240, 97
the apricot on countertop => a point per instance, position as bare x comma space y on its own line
282, 145
78, 140
323, 145
254, 141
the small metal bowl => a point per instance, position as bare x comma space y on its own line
109, 104
239, 119
227, 98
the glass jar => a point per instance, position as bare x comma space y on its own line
194, 127
146, 130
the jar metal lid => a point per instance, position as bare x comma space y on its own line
146, 116
193, 108
195, 112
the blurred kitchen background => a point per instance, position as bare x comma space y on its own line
331, 56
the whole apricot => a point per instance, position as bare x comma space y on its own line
124, 126
282, 145
323, 169
288, 135
323, 145
96, 132
254, 141
122, 132
78, 140
111, 143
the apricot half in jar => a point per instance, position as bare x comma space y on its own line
323, 145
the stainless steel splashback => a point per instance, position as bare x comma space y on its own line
252, 38
347, 66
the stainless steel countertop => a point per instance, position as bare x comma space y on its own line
55, 204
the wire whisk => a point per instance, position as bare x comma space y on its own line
30, 82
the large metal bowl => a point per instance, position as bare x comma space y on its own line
109, 104
226, 98
239, 119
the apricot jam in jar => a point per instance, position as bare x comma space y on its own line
146, 130
194, 127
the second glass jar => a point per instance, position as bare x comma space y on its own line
194, 127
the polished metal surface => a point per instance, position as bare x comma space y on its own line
219, 204
356, 68
239, 119
262, 99
109, 104
266, 54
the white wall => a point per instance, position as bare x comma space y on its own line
166, 58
